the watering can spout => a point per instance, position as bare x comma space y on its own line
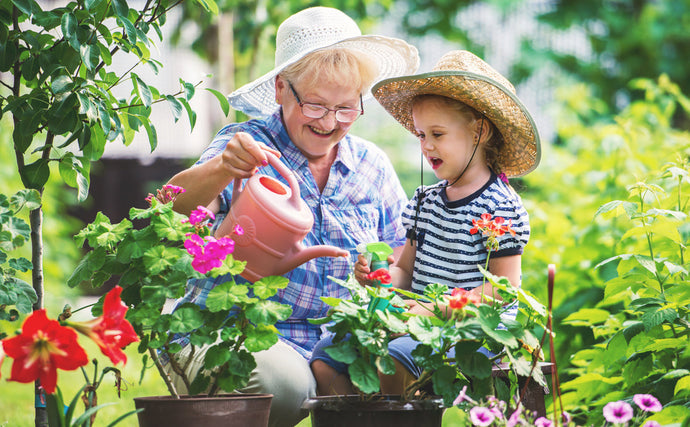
304, 254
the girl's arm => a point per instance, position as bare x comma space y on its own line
507, 266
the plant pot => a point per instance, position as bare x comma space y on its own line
229, 410
377, 411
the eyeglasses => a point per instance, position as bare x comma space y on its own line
316, 111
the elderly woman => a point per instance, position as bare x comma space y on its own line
305, 107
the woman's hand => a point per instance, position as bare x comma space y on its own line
243, 154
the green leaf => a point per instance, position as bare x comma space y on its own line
364, 376
617, 208
587, 317
209, 5
222, 100
142, 90
342, 351
120, 7
92, 4
36, 174
186, 318
130, 30
226, 295
69, 29
260, 337
191, 114
269, 286
91, 263
268, 312
90, 55
175, 106
61, 84
216, 356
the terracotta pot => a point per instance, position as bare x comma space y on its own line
231, 410
337, 411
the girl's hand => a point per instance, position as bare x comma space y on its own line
362, 270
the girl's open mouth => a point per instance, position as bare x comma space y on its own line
435, 162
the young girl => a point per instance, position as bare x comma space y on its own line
474, 133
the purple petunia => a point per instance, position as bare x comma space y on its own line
618, 412
647, 402
481, 416
651, 424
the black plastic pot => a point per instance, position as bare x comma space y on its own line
378, 411
231, 410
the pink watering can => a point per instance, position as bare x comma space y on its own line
275, 220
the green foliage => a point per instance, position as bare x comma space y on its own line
15, 293
153, 267
362, 335
62, 415
65, 99
601, 211
642, 325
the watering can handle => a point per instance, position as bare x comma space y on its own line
284, 171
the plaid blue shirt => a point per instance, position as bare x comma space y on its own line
361, 203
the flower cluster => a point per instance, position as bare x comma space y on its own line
621, 412
45, 345
166, 194
493, 229
208, 252
492, 412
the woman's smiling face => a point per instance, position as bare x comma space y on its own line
316, 138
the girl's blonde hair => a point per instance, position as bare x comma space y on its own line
493, 139
341, 65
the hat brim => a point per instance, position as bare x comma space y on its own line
522, 151
393, 56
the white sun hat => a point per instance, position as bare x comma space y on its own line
317, 28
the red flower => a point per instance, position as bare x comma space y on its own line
382, 275
459, 298
43, 347
110, 331
491, 229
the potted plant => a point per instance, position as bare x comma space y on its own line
454, 321
153, 263
362, 333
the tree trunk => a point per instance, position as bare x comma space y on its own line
36, 221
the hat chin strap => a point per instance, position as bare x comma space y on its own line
412, 234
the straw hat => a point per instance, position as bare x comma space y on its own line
317, 28
463, 76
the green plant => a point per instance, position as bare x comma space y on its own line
153, 264
362, 336
43, 346
642, 324
66, 100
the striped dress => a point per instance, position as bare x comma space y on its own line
446, 251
